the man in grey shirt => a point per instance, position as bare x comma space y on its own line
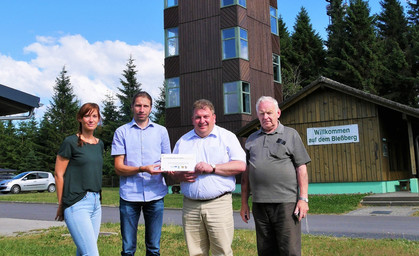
277, 176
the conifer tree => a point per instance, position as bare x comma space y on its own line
110, 120
48, 139
64, 106
129, 87
28, 149
8, 140
336, 37
285, 43
336, 29
357, 64
413, 13
3, 144
159, 116
59, 121
291, 79
392, 23
108, 165
396, 81
307, 49
413, 49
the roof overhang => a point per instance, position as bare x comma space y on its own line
13, 103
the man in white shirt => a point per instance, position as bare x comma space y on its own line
207, 205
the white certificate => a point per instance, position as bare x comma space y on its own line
178, 162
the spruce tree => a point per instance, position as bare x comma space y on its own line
28, 148
392, 23
357, 64
396, 80
336, 29
413, 50
59, 120
413, 13
110, 120
48, 140
129, 87
108, 166
3, 144
9, 157
64, 106
307, 49
285, 43
336, 37
291, 79
159, 115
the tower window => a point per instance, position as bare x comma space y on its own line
236, 97
225, 3
235, 44
274, 20
276, 61
171, 42
170, 3
172, 92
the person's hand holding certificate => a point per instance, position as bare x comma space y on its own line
178, 162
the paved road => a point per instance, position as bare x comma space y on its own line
366, 225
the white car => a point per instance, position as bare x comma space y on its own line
29, 181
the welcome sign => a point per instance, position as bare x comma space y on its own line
333, 135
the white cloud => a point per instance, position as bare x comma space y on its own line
94, 68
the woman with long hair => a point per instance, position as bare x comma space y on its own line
78, 178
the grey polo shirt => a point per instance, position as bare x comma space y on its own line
272, 159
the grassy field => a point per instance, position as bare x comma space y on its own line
56, 241
319, 204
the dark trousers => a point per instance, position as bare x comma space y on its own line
153, 219
278, 231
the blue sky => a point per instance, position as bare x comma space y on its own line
93, 39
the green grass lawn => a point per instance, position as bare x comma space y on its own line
56, 241
319, 204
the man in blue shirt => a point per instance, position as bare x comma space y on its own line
136, 148
207, 205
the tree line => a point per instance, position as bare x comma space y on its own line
31, 145
378, 53
374, 53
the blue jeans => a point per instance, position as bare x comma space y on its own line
83, 221
153, 218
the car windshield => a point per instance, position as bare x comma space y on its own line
20, 175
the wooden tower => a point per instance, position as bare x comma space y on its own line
226, 51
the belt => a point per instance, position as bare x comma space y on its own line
204, 200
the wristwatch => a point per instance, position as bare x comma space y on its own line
213, 168
303, 198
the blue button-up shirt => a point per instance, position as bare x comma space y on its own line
141, 147
219, 147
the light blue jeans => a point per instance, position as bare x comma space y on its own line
83, 221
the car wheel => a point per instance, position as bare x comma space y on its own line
51, 188
15, 189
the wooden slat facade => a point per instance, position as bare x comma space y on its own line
328, 108
200, 66
386, 130
171, 17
